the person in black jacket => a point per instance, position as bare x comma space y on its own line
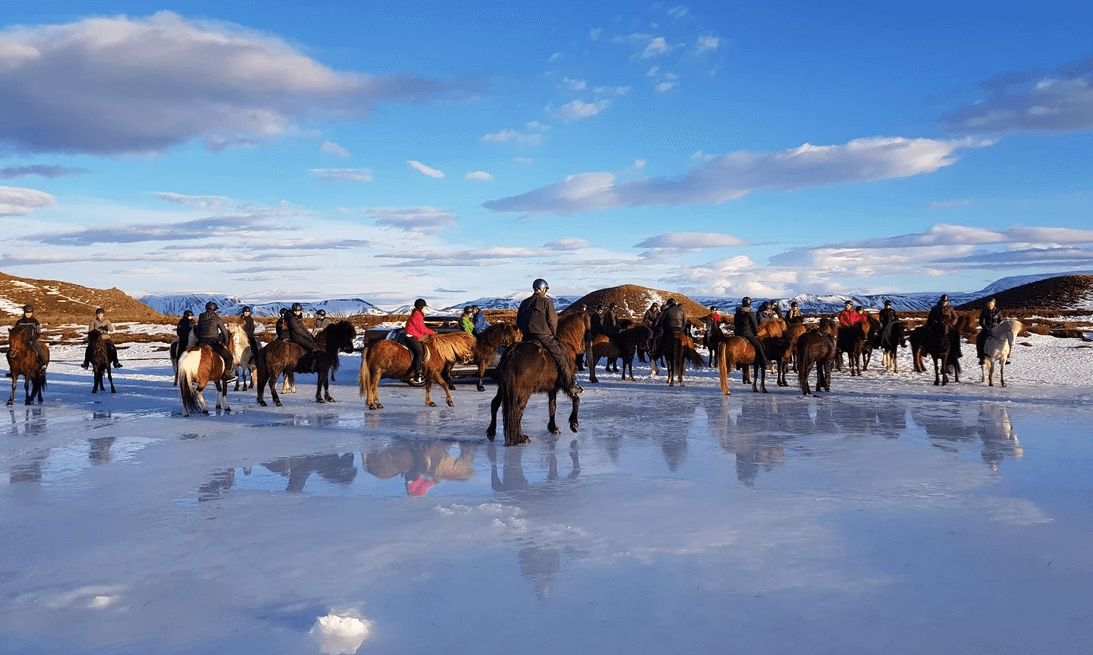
538, 321
248, 329
887, 318
33, 329
745, 325
989, 318
295, 330
212, 333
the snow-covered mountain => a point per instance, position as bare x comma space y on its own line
511, 301
232, 306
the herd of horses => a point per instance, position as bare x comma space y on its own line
525, 368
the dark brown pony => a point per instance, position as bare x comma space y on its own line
817, 347
623, 345
526, 369
390, 359
283, 357
486, 344
734, 352
779, 351
100, 362
890, 342
22, 360
677, 350
792, 334
942, 343
852, 340
196, 368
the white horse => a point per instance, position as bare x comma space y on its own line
245, 367
997, 349
176, 352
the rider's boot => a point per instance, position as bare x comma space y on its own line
571, 387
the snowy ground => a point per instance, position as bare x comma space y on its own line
890, 516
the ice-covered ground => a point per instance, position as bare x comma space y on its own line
890, 516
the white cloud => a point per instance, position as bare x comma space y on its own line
331, 148
510, 134
554, 57
707, 44
200, 203
17, 201
474, 257
567, 244
639, 164
145, 85
425, 170
692, 241
579, 110
523, 161
416, 220
537, 126
652, 72
737, 174
479, 175
595, 33
658, 46
342, 174
948, 204
677, 12
574, 85
665, 86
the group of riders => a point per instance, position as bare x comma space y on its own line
536, 318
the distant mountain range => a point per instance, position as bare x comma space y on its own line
809, 303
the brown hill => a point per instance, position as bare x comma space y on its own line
62, 302
634, 300
1063, 293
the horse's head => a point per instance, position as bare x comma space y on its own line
345, 335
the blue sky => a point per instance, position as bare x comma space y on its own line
276, 150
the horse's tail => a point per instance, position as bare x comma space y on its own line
364, 378
724, 367
511, 407
187, 372
691, 354
804, 362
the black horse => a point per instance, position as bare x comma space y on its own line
283, 357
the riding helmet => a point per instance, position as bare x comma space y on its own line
321, 313
887, 303
28, 309
944, 297
467, 309
187, 314
100, 311
419, 303
746, 302
246, 309
539, 284
211, 306
296, 307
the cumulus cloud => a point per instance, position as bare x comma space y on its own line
17, 201
568, 243
665, 86
342, 174
145, 85
574, 85
416, 220
737, 174
1053, 101
577, 110
40, 170
425, 170
478, 175
510, 134
707, 44
331, 148
201, 203
656, 47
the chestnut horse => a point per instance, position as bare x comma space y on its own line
22, 360
488, 341
100, 362
623, 345
196, 368
817, 347
526, 369
736, 351
285, 357
389, 359
677, 350
177, 349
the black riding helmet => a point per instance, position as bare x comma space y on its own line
321, 313
246, 310
419, 303
100, 310
187, 314
296, 307
28, 309
746, 302
211, 306
539, 284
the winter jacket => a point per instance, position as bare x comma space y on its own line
31, 327
990, 318
744, 323
183, 329
887, 315
104, 326
480, 322
537, 317
675, 319
210, 327
849, 317
415, 325
320, 324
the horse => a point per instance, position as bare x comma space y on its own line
997, 349
196, 367
677, 350
890, 340
241, 351
780, 351
486, 344
284, 357
525, 369
817, 347
176, 352
22, 360
389, 359
737, 351
792, 333
772, 327
100, 362
853, 340
713, 336
942, 344
623, 345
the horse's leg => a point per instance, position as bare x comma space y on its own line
592, 361
573, 424
481, 374
263, 380
201, 396
110, 376
552, 406
763, 379
274, 374
326, 387
491, 431
1001, 370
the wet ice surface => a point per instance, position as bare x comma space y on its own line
889, 516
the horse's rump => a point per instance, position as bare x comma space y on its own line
772, 327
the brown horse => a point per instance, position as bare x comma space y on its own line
772, 327
488, 341
526, 369
736, 351
196, 368
388, 359
817, 347
792, 334
285, 357
779, 351
852, 340
623, 345
677, 350
100, 362
22, 360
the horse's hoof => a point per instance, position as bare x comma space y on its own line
278, 403
113, 390
555, 430
481, 388
490, 434
431, 404
261, 402
329, 399
451, 404
205, 412
319, 400
573, 426
379, 405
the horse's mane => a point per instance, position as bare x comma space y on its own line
772, 327
339, 334
491, 337
571, 331
451, 347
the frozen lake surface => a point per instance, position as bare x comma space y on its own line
890, 516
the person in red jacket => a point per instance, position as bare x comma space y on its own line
848, 316
416, 330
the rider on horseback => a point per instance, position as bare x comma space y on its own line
295, 330
416, 330
989, 318
848, 316
887, 318
321, 321
104, 327
745, 325
941, 315
32, 329
212, 333
538, 320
